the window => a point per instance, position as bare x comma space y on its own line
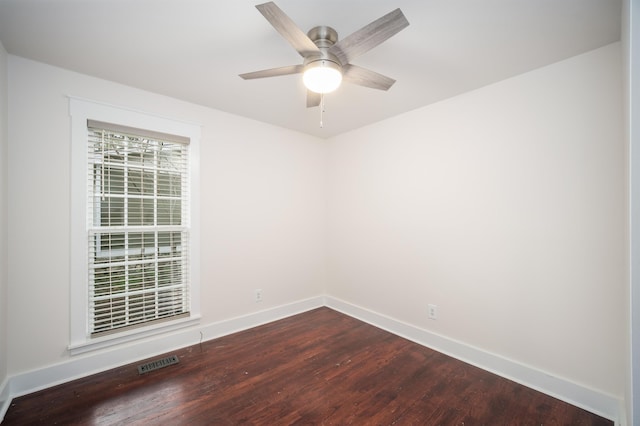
138, 231
134, 246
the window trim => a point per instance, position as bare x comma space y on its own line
82, 110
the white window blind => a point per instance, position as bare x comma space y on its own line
138, 227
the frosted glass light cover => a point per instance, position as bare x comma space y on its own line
322, 77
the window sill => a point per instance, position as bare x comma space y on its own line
130, 335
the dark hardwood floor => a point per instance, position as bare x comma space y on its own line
317, 368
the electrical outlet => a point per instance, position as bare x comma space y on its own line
432, 311
258, 295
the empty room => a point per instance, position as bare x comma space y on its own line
413, 212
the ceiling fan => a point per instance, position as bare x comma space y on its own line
327, 60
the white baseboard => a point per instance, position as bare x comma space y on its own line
95, 362
81, 366
5, 398
591, 400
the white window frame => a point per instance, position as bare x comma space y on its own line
82, 110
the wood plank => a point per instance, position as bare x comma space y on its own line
319, 367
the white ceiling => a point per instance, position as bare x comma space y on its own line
195, 49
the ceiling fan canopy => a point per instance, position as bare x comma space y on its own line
326, 59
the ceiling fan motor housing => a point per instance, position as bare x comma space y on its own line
324, 37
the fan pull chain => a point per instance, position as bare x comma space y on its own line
321, 110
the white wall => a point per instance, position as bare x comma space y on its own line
3, 219
505, 207
262, 208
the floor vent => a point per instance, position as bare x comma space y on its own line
157, 364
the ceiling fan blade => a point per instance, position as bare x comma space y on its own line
288, 29
313, 99
273, 72
369, 36
364, 77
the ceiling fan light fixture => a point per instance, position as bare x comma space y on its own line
322, 76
